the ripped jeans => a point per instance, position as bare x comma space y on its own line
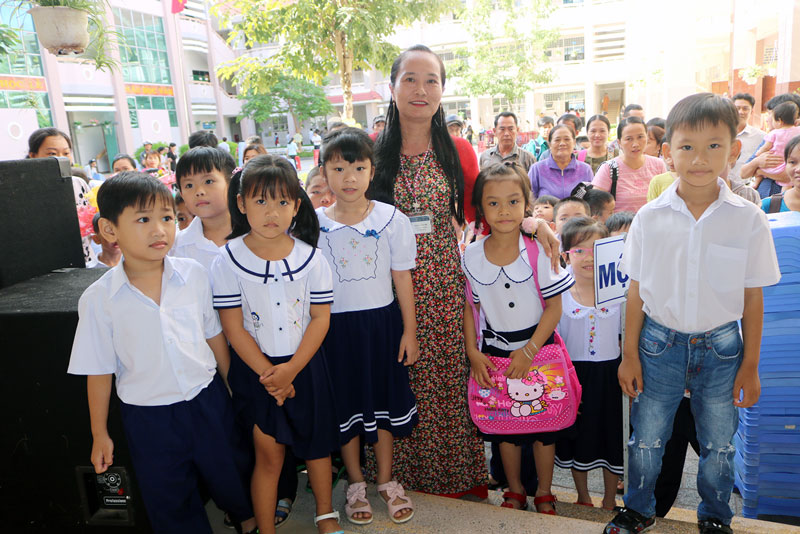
706, 364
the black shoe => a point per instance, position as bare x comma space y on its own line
628, 521
713, 526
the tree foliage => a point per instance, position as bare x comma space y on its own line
505, 54
316, 38
302, 99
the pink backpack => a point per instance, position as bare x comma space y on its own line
545, 400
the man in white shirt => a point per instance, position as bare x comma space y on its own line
697, 258
750, 136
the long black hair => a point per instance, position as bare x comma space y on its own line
389, 143
270, 176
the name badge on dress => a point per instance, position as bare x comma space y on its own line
421, 222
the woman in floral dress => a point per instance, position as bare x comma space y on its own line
429, 176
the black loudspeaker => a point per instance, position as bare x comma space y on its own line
47, 483
39, 229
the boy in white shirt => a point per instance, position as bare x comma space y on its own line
203, 175
697, 257
150, 322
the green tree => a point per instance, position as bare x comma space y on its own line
302, 99
318, 37
505, 54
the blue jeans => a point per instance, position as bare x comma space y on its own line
706, 364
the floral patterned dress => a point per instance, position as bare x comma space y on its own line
444, 455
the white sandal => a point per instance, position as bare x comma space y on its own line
331, 515
357, 494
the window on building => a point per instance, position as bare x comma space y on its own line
563, 102
460, 108
566, 49
135, 103
201, 76
568, 3
145, 58
503, 104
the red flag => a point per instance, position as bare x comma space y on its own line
178, 5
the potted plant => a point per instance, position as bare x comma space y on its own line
73, 27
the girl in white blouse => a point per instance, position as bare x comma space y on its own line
592, 338
273, 290
371, 248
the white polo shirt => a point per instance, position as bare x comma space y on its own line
274, 295
191, 243
158, 353
363, 256
692, 273
750, 137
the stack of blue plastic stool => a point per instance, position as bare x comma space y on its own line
768, 441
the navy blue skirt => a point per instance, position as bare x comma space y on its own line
371, 386
306, 423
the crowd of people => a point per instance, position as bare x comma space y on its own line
253, 322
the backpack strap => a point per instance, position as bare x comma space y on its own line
475, 315
775, 203
582, 155
533, 258
614, 177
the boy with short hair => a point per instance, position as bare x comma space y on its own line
697, 257
567, 209
601, 204
203, 175
150, 321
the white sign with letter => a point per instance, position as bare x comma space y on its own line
610, 284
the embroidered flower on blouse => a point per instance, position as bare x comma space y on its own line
354, 243
343, 262
368, 259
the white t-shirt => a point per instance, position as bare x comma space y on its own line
191, 243
363, 256
590, 334
274, 295
692, 273
158, 353
507, 294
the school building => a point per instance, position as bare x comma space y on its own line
610, 53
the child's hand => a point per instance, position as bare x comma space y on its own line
282, 394
410, 347
630, 376
102, 453
278, 377
520, 365
480, 364
747, 385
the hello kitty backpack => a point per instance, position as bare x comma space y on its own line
545, 400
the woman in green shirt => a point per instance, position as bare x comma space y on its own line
597, 128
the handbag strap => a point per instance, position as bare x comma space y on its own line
614, 177
475, 315
533, 258
775, 203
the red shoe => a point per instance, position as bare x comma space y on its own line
522, 499
590, 505
545, 499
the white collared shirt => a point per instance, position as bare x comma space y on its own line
692, 273
158, 353
507, 294
274, 295
750, 137
363, 256
191, 243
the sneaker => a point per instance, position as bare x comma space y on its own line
628, 521
713, 526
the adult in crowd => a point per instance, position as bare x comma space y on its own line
789, 200
561, 171
203, 138
628, 176
631, 110
767, 160
148, 146
454, 125
378, 125
426, 172
223, 145
571, 120
597, 129
52, 142
122, 162
506, 149
750, 136
172, 156
469, 134
538, 144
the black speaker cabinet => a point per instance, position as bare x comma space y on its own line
38, 221
47, 483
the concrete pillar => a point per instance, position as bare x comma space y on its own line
183, 104
122, 116
54, 90
788, 71
222, 124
